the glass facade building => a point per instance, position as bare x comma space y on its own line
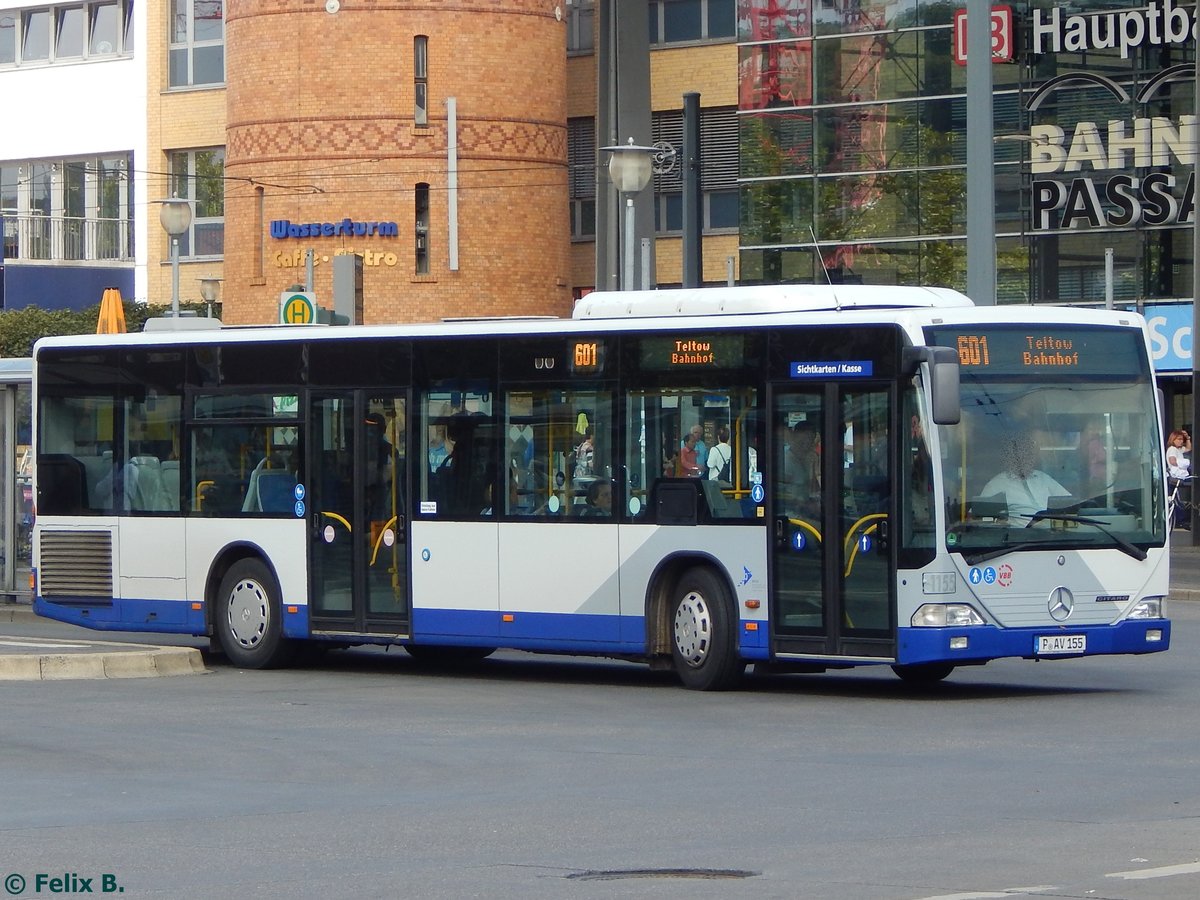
852, 129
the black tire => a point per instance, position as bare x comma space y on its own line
247, 619
704, 633
437, 654
924, 674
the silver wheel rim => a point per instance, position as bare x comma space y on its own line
693, 629
248, 613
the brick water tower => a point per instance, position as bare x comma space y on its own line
429, 137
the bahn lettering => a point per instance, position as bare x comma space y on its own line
1049, 351
692, 353
1157, 198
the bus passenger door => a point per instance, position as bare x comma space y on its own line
359, 563
831, 489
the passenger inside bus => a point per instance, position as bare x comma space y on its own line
800, 480
599, 499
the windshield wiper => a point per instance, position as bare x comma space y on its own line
975, 559
1122, 544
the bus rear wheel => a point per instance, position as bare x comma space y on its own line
923, 674
703, 641
247, 618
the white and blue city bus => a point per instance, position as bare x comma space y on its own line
884, 475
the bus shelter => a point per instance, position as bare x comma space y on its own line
16, 470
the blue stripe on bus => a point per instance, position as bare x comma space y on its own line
568, 632
527, 630
159, 616
919, 645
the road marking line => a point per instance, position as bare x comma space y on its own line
1160, 872
5, 642
995, 895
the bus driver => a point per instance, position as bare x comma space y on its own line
1026, 488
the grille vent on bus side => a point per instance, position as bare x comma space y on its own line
76, 564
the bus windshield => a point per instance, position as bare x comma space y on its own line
1058, 446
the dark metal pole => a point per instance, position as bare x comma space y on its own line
1192, 494
981, 169
693, 211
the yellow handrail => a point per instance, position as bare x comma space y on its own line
339, 519
379, 540
850, 534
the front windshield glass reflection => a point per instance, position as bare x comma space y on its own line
1036, 465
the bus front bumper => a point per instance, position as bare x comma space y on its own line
979, 643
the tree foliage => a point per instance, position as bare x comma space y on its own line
20, 328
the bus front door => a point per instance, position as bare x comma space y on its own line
358, 563
831, 500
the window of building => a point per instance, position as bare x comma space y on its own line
581, 156
8, 39
104, 29
199, 176
68, 209
68, 31
35, 35
421, 81
421, 221
68, 34
718, 169
581, 18
197, 43
683, 21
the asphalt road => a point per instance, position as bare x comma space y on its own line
371, 776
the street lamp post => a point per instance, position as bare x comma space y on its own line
210, 292
175, 216
629, 167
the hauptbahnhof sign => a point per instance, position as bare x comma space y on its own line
1130, 168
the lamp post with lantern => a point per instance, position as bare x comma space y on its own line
175, 216
629, 167
210, 292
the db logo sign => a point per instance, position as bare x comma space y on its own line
1002, 35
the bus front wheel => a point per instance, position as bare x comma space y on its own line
703, 639
246, 617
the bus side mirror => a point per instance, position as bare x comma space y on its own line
943, 380
943, 386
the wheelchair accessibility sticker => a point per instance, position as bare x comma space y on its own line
987, 576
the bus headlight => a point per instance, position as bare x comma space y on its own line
943, 615
1150, 608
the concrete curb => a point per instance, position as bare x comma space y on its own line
129, 661
158, 662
